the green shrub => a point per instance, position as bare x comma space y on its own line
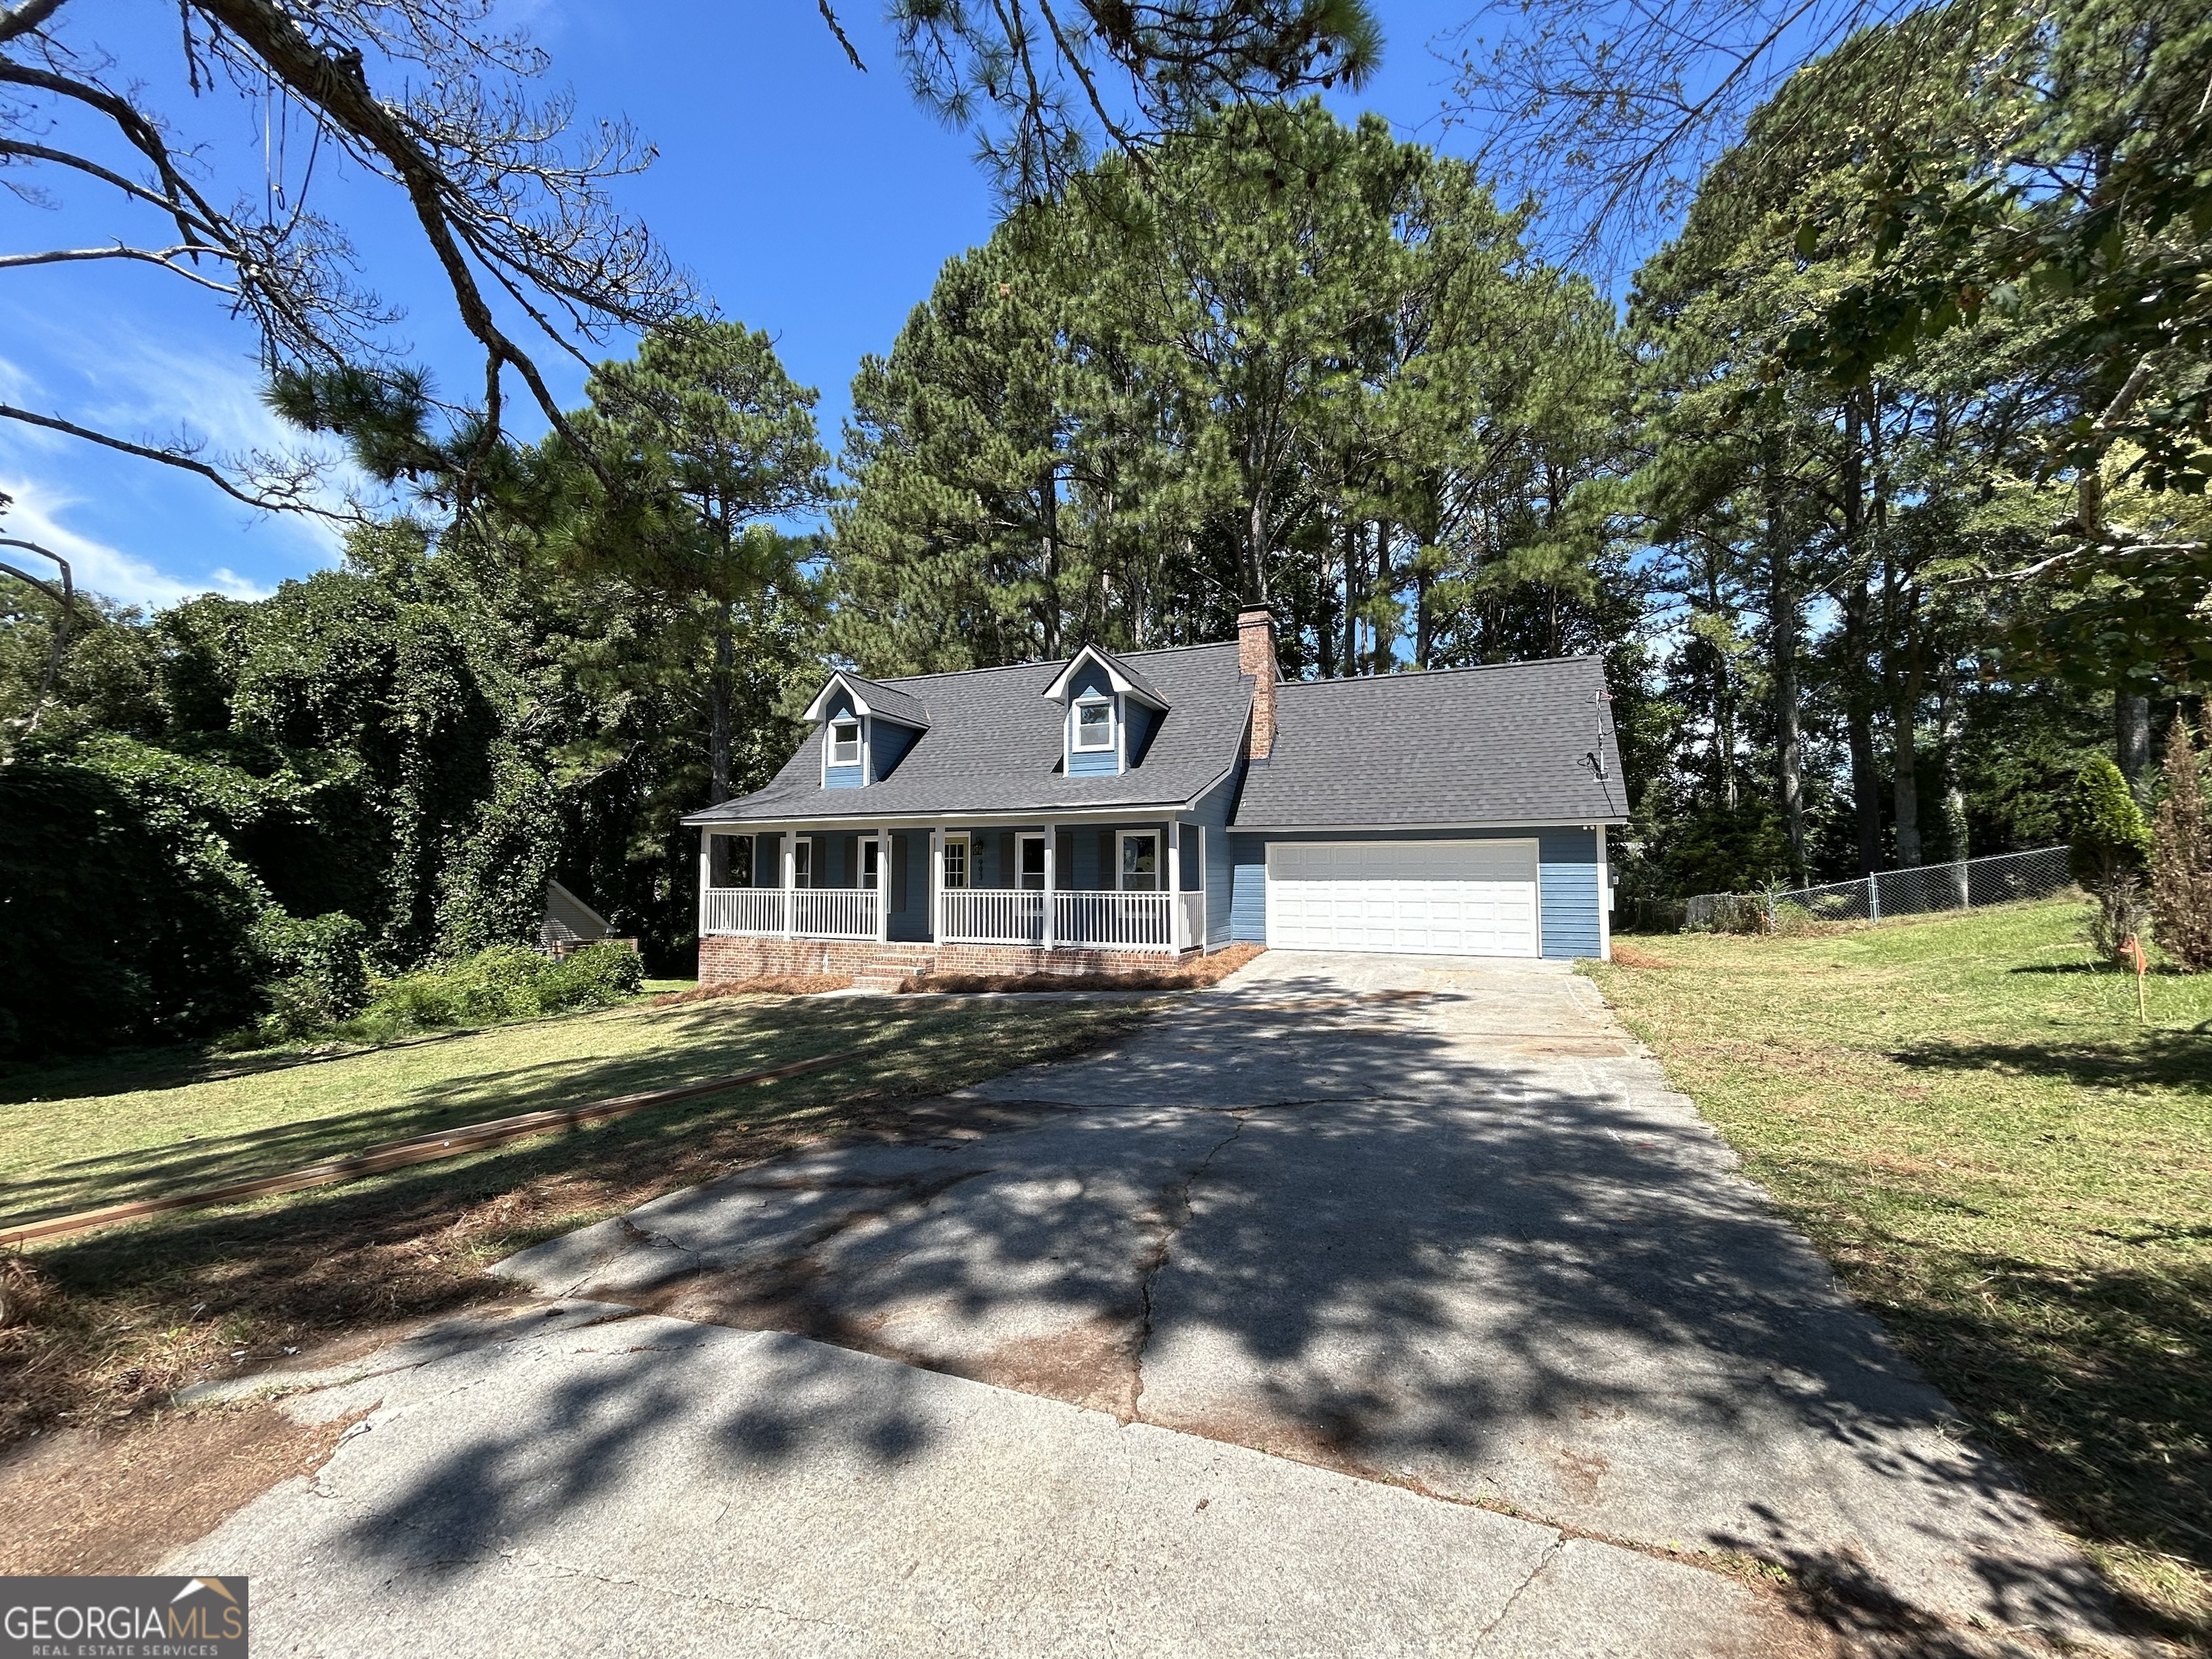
591, 977
318, 975
2108, 850
2107, 839
124, 916
507, 981
2181, 891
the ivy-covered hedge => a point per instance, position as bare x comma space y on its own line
124, 916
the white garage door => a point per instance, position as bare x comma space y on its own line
1457, 898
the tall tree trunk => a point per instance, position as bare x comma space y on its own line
1326, 619
1905, 686
1950, 731
1723, 702
1858, 641
721, 690
1783, 625
2131, 735
1354, 555
1049, 514
1255, 573
1383, 646
1424, 623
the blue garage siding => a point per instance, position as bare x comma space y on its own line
1248, 903
1567, 893
1566, 879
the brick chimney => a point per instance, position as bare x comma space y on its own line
1255, 655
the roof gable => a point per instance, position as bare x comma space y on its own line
869, 697
1121, 674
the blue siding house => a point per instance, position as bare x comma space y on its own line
1106, 813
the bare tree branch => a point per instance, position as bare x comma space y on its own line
25, 18
165, 257
287, 494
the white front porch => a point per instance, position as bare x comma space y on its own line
1134, 886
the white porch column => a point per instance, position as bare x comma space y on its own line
706, 876
937, 884
1176, 940
883, 884
790, 881
1051, 893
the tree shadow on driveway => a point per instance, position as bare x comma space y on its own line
1501, 1267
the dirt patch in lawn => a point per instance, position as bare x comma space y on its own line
118, 1500
1194, 974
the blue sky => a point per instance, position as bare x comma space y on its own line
812, 201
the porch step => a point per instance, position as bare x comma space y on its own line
889, 966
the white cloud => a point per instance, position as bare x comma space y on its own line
95, 565
126, 381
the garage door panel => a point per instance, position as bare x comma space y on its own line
1475, 898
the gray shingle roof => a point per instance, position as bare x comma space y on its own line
889, 702
994, 744
1501, 744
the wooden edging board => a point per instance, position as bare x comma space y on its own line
417, 1149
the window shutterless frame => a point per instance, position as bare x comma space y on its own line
1094, 724
845, 742
1139, 860
956, 861
802, 861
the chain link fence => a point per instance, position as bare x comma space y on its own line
2005, 879
1965, 884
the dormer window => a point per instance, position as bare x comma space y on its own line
844, 743
1094, 723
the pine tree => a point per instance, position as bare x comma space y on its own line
2181, 858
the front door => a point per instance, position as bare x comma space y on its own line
1029, 867
1141, 861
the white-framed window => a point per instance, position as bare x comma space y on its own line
1094, 724
956, 861
802, 861
1030, 869
1140, 860
871, 861
845, 742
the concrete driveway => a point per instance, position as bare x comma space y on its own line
1383, 1304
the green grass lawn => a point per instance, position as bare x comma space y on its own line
101, 1324
1966, 1116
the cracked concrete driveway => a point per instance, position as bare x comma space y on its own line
1353, 1306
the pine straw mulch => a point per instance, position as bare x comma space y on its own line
1193, 976
761, 985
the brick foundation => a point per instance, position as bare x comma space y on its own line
724, 957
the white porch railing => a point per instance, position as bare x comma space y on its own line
1122, 922
834, 912
742, 911
1193, 918
975, 915
815, 912
991, 915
